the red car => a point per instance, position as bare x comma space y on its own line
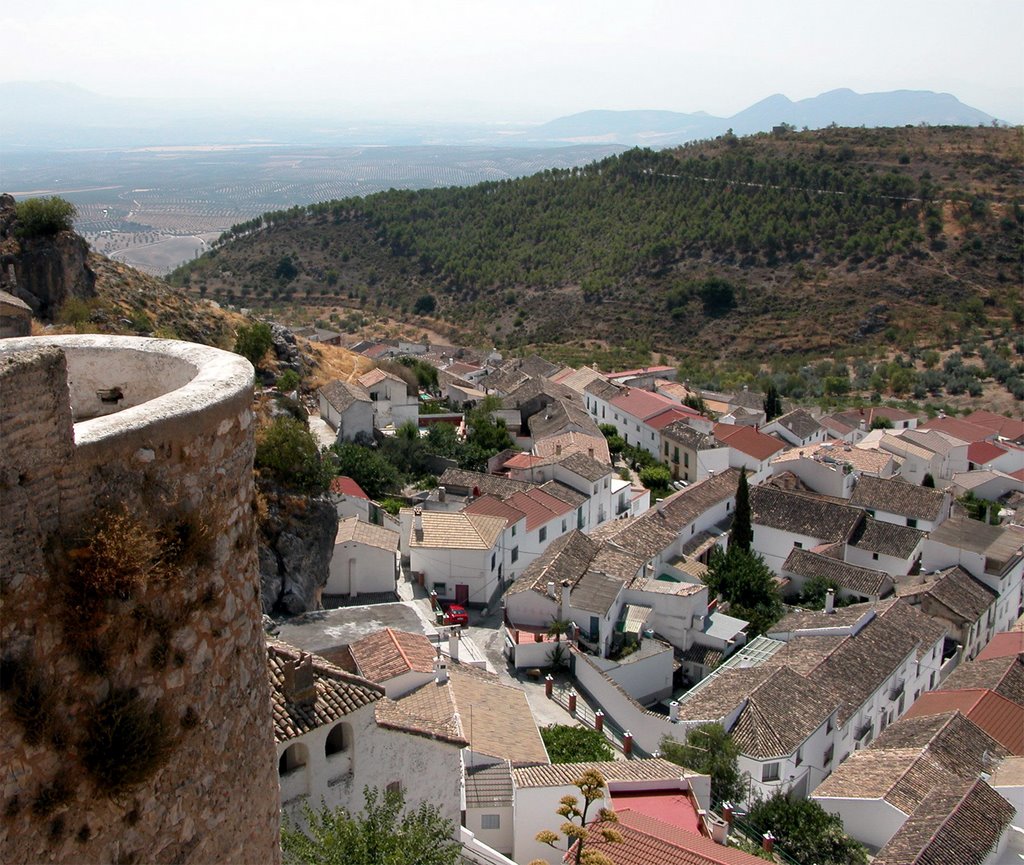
456, 614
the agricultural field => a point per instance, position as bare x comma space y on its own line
157, 207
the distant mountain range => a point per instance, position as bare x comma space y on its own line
55, 115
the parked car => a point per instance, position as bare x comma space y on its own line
456, 614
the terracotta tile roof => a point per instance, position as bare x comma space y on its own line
389, 653
854, 416
1007, 644
337, 693
503, 381
495, 507
489, 786
458, 368
680, 432
959, 745
539, 506
564, 493
588, 468
961, 594
799, 422
603, 389
833, 424
428, 711
496, 718
641, 404
376, 376
354, 529
342, 394
886, 539
574, 442
566, 558
863, 581
653, 531
649, 841
344, 486
579, 379
748, 440
564, 774
934, 440
997, 716
802, 514
463, 482
1005, 676
596, 590
781, 713
1007, 428
644, 370
458, 531
903, 777
720, 696
898, 497
672, 414
963, 430
959, 825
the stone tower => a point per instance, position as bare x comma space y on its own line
135, 708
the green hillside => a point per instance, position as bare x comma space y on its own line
816, 242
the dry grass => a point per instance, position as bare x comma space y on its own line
333, 362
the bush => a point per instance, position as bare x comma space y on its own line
287, 451
567, 744
253, 341
288, 381
44, 217
656, 477
806, 831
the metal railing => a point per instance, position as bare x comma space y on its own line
615, 734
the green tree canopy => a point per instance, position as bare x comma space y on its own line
567, 744
741, 534
711, 751
287, 451
43, 217
806, 831
252, 341
368, 467
657, 478
383, 833
748, 585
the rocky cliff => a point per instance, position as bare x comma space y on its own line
296, 542
43, 271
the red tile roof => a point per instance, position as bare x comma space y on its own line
673, 413
540, 507
641, 403
748, 440
1002, 719
647, 370
980, 453
495, 507
1006, 427
523, 461
675, 807
1003, 645
344, 486
961, 429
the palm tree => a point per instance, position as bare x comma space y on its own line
558, 627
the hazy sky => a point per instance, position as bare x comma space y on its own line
521, 59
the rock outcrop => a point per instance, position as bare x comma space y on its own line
296, 543
42, 271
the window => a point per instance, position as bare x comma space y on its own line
666, 451
675, 456
565, 526
686, 460
513, 531
799, 755
829, 752
515, 554
798, 545
440, 589
595, 489
770, 772
828, 725
294, 757
494, 559
911, 523
394, 787
490, 821
542, 535
874, 556
606, 483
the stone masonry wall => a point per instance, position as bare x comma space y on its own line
136, 719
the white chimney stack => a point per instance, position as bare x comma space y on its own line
673, 711
440, 669
417, 523
830, 601
566, 590
551, 589
453, 644
558, 450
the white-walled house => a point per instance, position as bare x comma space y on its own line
797, 427
832, 468
901, 503
459, 555
690, 454
364, 560
331, 743
347, 409
398, 661
749, 449
993, 555
350, 500
392, 403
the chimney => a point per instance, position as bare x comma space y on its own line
299, 688
442, 494
453, 644
551, 589
767, 842
590, 452
566, 590
558, 450
830, 601
417, 524
440, 669
673, 711
862, 426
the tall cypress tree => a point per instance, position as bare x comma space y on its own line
741, 535
772, 403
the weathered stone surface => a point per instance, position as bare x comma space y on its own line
285, 347
296, 544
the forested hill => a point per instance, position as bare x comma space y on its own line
738, 246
